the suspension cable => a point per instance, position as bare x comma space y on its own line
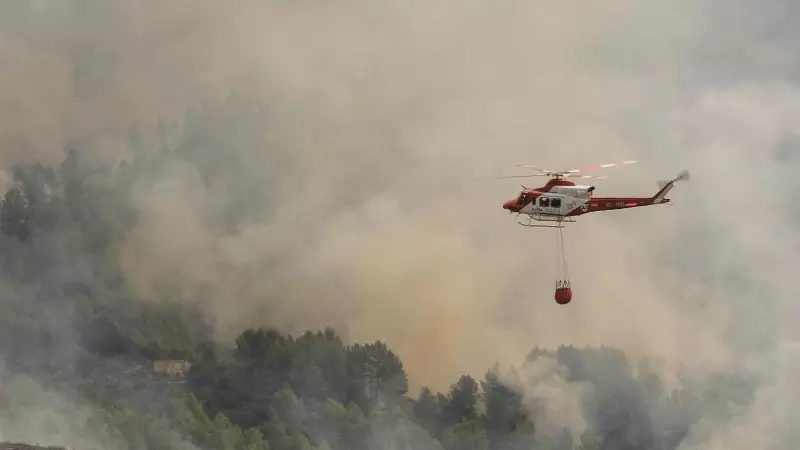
560, 254
563, 257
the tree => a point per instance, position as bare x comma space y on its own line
376, 375
462, 402
320, 366
465, 436
16, 215
427, 412
506, 416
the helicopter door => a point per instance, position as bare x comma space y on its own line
550, 205
555, 205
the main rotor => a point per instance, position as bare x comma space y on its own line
572, 173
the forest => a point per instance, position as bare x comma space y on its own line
74, 338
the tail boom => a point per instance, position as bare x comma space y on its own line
612, 203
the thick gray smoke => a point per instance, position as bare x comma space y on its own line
326, 172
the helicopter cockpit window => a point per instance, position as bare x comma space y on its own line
523, 198
544, 202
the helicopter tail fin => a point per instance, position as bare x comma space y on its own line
665, 186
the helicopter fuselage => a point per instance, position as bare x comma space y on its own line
560, 199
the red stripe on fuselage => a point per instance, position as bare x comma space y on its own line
611, 203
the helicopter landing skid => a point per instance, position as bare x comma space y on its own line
559, 222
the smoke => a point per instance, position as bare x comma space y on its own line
326, 163
554, 402
30, 413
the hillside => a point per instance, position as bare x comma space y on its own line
17, 446
74, 326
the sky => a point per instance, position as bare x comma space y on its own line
362, 169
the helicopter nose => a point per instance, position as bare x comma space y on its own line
508, 205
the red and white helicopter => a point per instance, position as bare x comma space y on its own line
561, 200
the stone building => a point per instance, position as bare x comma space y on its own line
173, 368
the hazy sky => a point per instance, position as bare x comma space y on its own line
371, 125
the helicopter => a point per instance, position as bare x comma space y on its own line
561, 200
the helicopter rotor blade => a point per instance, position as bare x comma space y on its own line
526, 166
525, 176
579, 170
572, 175
569, 175
600, 166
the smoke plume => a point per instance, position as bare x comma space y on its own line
326, 163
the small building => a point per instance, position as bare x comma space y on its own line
174, 368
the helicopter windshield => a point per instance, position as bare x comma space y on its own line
523, 198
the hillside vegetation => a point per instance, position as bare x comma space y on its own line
70, 322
